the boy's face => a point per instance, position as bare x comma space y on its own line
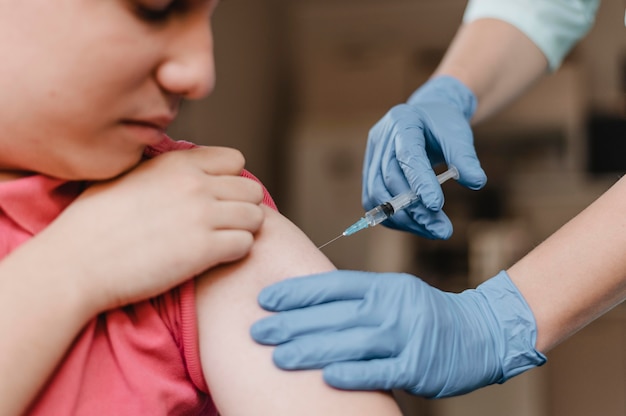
87, 84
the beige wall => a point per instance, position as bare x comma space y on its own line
240, 112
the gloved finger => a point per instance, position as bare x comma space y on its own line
416, 168
375, 140
416, 218
391, 174
419, 220
471, 174
319, 350
374, 190
296, 323
381, 374
314, 289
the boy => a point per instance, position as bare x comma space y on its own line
97, 215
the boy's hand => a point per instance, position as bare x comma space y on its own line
165, 221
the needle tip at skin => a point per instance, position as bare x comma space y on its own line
334, 239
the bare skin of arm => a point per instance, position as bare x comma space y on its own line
578, 273
240, 373
495, 60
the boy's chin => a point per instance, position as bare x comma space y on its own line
98, 171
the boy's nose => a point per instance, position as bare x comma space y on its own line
189, 69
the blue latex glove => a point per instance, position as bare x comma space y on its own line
393, 331
404, 146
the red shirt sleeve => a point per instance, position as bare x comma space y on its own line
178, 308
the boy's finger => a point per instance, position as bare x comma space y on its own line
237, 216
237, 188
216, 160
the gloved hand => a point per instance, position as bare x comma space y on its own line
393, 331
404, 146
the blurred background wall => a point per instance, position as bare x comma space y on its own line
300, 83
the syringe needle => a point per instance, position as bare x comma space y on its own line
334, 239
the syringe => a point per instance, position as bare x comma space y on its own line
385, 210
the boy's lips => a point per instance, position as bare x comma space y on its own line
149, 130
157, 122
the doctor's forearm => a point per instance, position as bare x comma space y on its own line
495, 60
578, 273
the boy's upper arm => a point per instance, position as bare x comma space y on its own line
240, 373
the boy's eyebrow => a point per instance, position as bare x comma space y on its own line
212, 4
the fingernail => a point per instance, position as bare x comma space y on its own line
285, 357
266, 299
334, 376
265, 333
440, 230
432, 201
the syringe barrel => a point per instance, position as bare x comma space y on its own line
399, 202
403, 200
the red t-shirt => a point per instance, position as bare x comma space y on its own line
142, 359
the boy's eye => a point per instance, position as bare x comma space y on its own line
157, 11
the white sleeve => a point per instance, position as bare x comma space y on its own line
555, 26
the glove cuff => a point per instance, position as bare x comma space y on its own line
448, 88
517, 324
